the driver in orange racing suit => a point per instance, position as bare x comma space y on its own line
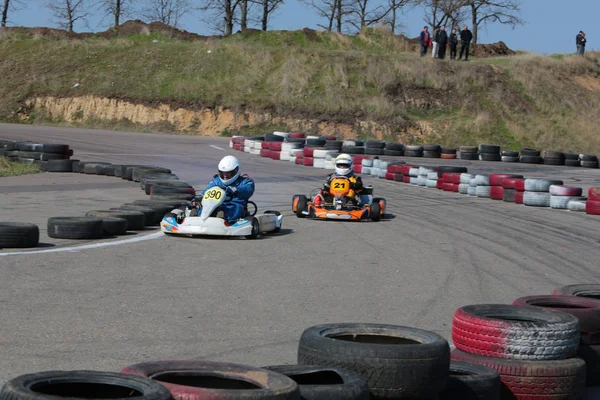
343, 169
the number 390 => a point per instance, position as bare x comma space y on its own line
213, 194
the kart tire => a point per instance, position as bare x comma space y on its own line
395, 147
554, 161
82, 385
59, 165
530, 152
483, 191
469, 149
431, 154
508, 195
531, 160
508, 153
374, 151
301, 206
136, 221
113, 226
255, 228
589, 164
509, 159
18, 235
403, 363
469, 156
591, 355
588, 157
489, 149
411, 153
151, 215
470, 381
591, 291
75, 228
395, 153
320, 383
375, 211
572, 163
374, 144
490, 157
173, 196
353, 149
513, 332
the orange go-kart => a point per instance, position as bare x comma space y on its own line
340, 206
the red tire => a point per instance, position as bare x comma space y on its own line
512, 332
559, 190
447, 186
221, 380
496, 179
308, 151
265, 153
330, 137
586, 310
275, 155
451, 178
389, 176
520, 185
265, 145
395, 169
594, 194
519, 197
440, 184
592, 207
299, 161
496, 192
508, 183
275, 146
405, 168
308, 161
237, 147
297, 135
447, 156
399, 178
534, 380
357, 168
405, 178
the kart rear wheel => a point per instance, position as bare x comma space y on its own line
375, 213
277, 213
255, 229
301, 205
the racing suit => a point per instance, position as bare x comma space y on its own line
356, 186
243, 189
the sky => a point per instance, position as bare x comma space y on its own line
551, 25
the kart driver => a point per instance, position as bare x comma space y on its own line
239, 189
343, 169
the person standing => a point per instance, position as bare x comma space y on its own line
425, 40
582, 44
465, 38
453, 44
578, 41
442, 42
436, 36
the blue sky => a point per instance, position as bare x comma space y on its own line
551, 24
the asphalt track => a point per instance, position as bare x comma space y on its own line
245, 301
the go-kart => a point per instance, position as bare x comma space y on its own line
187, 221
340, 206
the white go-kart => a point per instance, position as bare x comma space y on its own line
187, 221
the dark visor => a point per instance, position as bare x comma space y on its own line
228, 174
342, 165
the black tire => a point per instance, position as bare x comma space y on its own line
82, 385
159, 208
411, 153
531, 159
55, 148
26, 160
432, 147
395, 153
489, 148
315, 142
269, 137
374, 151
92, 168
44, 166
113, 226
469, 149
127, 170
431, 154
169, 203
36, 155
320, 383
375, 212
173, 196
553, 154
572, 163
59, 165
52, 156
374, 144
26, 146
571, 156
255, 229
413, 148
172, 189
107, 170
353, 149
490, 157
554, 161
75, 228
302, 203
135, 220
589, 164
151, 216
394, 146
591, 291
469, 381
397, 361
136, 172
591, 355
469, 156
510, 153
508, 195
530, 152
453, 169
588, 157
18, 235
448, 150
149, 184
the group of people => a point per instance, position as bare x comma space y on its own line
440, 40
580, 41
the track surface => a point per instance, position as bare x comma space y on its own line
249, 301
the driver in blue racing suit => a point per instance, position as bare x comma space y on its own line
239, 189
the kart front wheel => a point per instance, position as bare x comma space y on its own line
255, 229
375, 213
302, 201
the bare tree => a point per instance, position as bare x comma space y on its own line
168, 12
331, 10
500, 11
10, 5
116, 9
268, 6
67, 12
440, 12
222, 14
364, 13
394, 7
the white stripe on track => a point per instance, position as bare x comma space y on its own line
73, 249
216, 147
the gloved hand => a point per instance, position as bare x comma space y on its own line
352, 185
231, 191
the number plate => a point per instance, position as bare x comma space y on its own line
213, 194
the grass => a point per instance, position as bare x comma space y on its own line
541, 101
10, 168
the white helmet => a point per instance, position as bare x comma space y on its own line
343, 164
229, 169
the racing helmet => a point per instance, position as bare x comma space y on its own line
343, 164
229, 169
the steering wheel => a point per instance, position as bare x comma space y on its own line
252, 214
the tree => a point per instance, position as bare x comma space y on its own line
168, 12
116, 9
244, 6
223, 13
10, 5
501, 11
67, 12
440, 12
364, 13
332, 10
268, 6
394, 7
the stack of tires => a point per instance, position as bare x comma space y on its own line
319, 157
413, 151
353, 147
237, 143
379, 168
482, 186
496, 188
375, 147
448, 153
394, 149
572, 160
271, 146
465, 179
533, 349
311, 145
469, 153
537, 192
450, 182
394, 171
561, 196
290, 147
508, 189
510, 156
589, 161
432, 151
366, 165
413, 176
489, 152
592, 205
553, 157
530, 156
432, 180
519, 190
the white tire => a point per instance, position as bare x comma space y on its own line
536, 199
246, 149
319, 163
473, 183
413, 180
576, 205
482, 180
312, 137
292, 159
432, 176
431, 183
348, 143
282, 134
375, 171
366, 170
284, 156
463, 188
483, 191
466, 178
258, 145
424, 171
383, 165
540, 185
255, 152
290, 146
562, 202
413, 172
319, 153
366, 162
377, 163
295, 152
472, 190
422, 181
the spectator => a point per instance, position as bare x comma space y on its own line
436, 37
580, 41
442, 42
425, 40
465, 38
453, 44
